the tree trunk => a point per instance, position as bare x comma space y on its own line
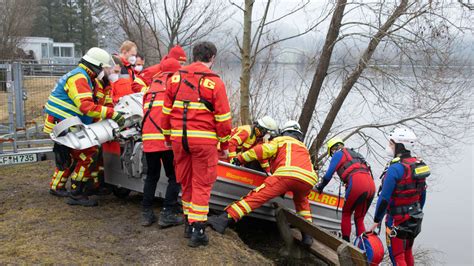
323, 65
246, 62
354, 76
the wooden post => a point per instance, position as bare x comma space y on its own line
291, 248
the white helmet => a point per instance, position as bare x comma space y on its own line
98, 57
267, 123
291, 125
403, 136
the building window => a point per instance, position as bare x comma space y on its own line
56, 51
66, 52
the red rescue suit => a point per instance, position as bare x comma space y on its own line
242, 139
196, 117
292, 172
360, 190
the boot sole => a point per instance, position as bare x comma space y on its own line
195, 245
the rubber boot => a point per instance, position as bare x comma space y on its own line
62, 192
79, 197
346, 238
187, 228
219, 223
169, 218
306, 239
148, 217
198, 235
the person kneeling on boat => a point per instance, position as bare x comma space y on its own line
360, 187
245, 137
402, 196
157, 152
292, 171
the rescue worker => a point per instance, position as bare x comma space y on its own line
74, 95
355, 173
196, 117
144, 78
139, 64
128, 58
292, 171
246, 136
402, 196
157, 153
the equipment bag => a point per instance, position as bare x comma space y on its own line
372, 245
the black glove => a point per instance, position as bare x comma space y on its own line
320, 188
118, 118
236, 162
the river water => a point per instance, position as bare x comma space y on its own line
447, 227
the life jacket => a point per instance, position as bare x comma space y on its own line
60, 105
189, 93
152, 133
351, 163
407, 193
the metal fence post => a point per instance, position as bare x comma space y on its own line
19, 104
11, 120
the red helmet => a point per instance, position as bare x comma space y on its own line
373, 247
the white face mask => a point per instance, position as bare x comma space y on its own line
389, 150
101, 75
132, 59
113, 77
139, 68
266, 138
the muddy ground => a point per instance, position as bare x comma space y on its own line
36, 227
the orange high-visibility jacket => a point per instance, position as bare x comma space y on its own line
203, 126
242, 138
123, 86
288, 157
152, 133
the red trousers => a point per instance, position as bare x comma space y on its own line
81, 161
360, 192
196, 171
400, 250
272, 187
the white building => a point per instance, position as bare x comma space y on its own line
46, 51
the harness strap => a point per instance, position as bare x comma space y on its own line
184, 139
147, 114
404, 209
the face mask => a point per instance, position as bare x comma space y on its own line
113, 77
139, 68
101, 75
389, 151
132, 59
266, 138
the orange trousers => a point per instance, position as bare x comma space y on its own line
196, 171
274, 186
79, 171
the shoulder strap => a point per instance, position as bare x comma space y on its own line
147, 114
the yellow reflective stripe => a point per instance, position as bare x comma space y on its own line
65, 104
224, 139
249, 155
103, 112
155, 103
298, 169
236, 137
232, 154
246, 206
265, 165
237, 209
197, 217
288, 154
83, 156
58, 111
304, 213
49, 124
83, 95
199, 208
191, 105
223, 117
153, 136
307, 179
194, 133
99, 94
166, 132
166, 110
185, 203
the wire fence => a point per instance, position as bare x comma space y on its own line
24, 90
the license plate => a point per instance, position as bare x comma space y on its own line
18, 158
